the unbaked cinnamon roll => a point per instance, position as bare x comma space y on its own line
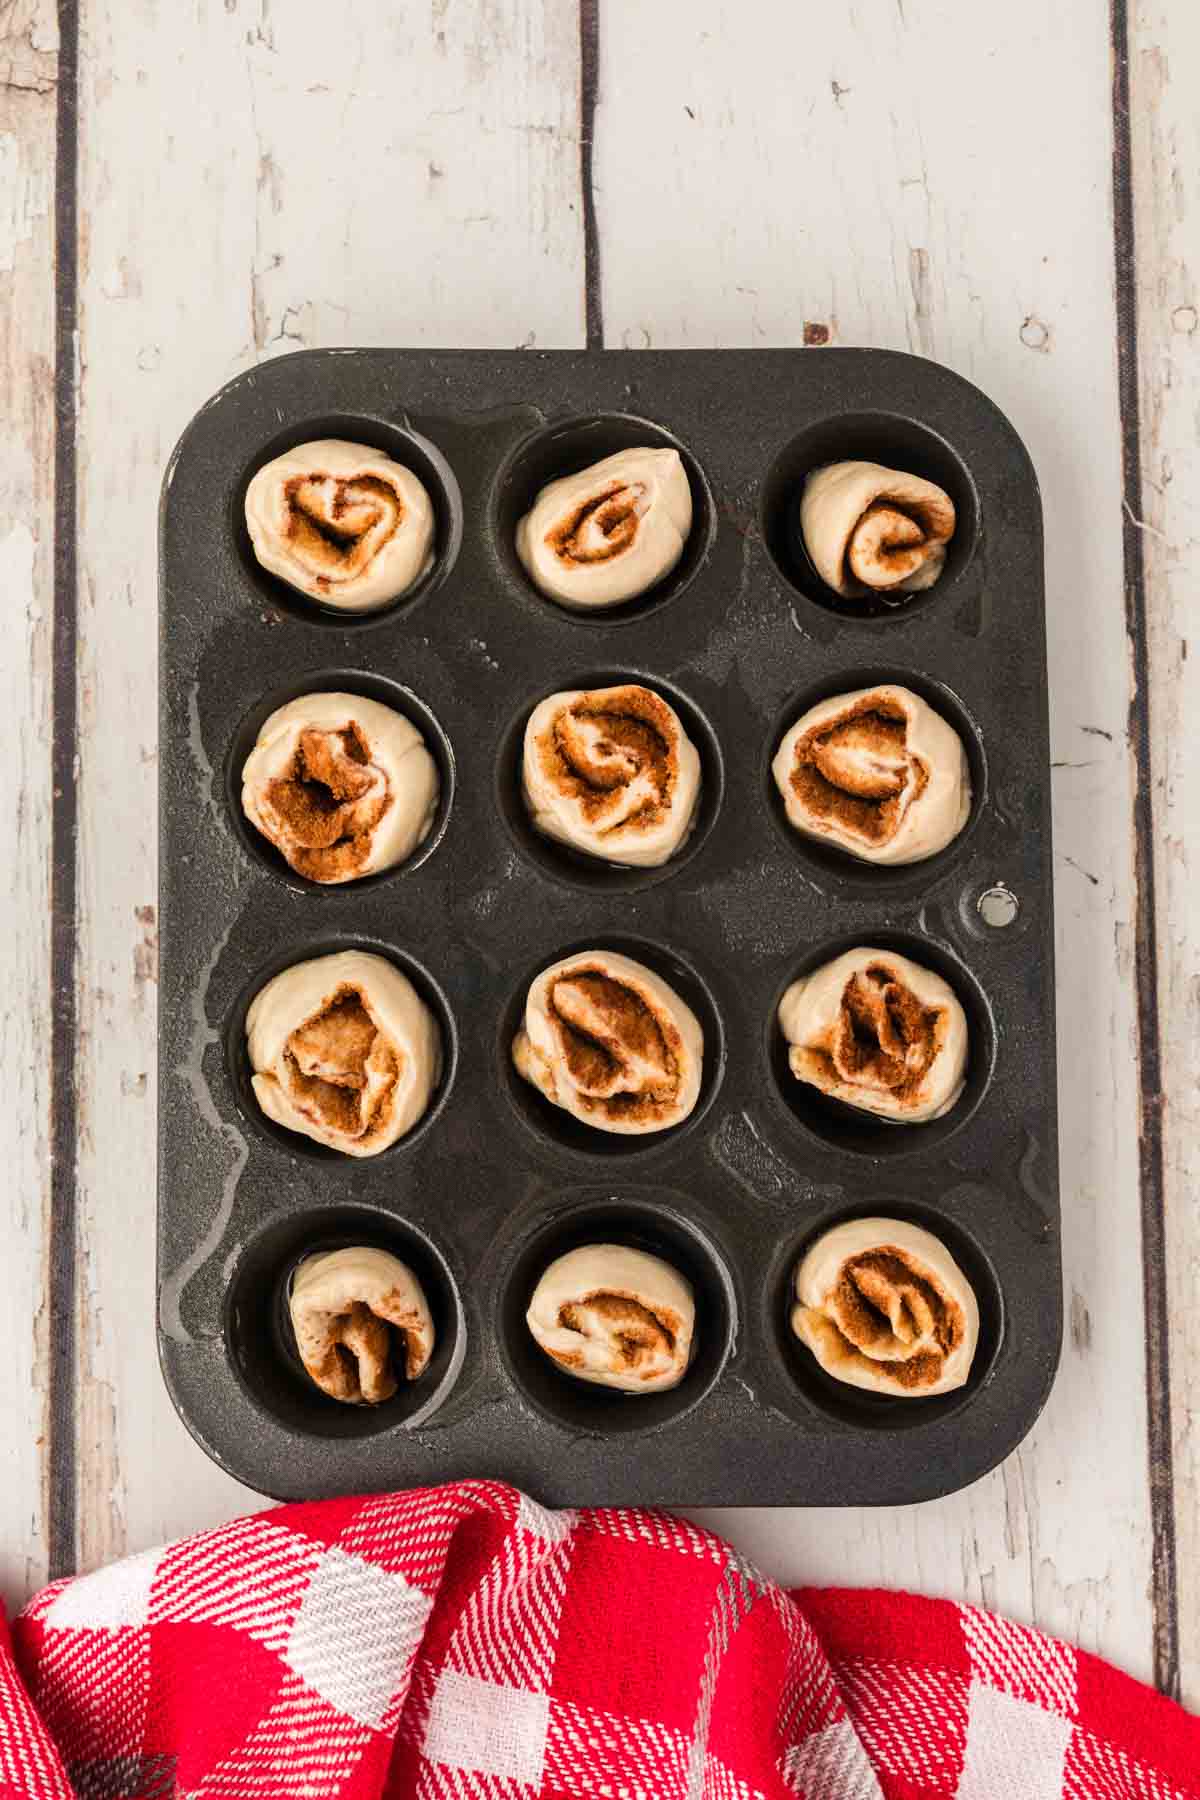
615, 1316
883, 1305
879, 1032
872, 531
361, 1320
877, 773
342, 523
607, 1040
342, 786
610, 532
611, 772
344, 1051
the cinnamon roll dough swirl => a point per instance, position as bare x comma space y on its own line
883, 1305
360, 1315
609, 532
344, 1051
611, 772
342, 523
611, 1043
875, 531
879, 1032
341, 785
877, 773
615, 1316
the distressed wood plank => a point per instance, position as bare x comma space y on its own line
28, 57
870, 181
1164, 72
402, 178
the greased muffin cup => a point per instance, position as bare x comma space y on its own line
493, 1183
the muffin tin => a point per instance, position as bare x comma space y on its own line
494, 1182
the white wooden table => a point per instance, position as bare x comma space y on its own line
231, 180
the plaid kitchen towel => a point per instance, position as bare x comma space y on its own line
462, 1641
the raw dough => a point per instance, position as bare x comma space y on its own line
612, 772
341, 523
607, 1040
615, 1316
876, 772
344, 1051
609, 532
871, 530
883, 1305
879, 1032
341, 785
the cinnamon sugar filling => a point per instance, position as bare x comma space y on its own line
887, 1312
621, 1057
884, 1037
359, 1363
638, 1335
859, 771
632, 736
341, 1071
892, 538
602, 527
337, 524
328, 803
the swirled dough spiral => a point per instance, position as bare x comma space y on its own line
341, 785
879, 1032
883, 1305
344, 1051
877, 773
342, 523
612, 772
875, 531
609, 532
359, 1314
615, 1316
611, 1043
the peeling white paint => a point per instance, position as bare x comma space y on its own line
25, 194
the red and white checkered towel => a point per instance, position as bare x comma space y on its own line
462, 1641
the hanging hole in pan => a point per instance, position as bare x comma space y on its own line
998, 907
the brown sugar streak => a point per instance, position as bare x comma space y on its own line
634, 721
638, 1335
358, 1365
631, 1030
615, 515
868, 1285
829, 784
324, 806
891, 534
327, 1060
884, 1037
342, 536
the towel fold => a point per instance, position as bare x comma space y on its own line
463, 1641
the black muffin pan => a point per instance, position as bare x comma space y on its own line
494, 1182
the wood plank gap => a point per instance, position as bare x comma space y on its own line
589, 93
64, 818
1152, 1184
